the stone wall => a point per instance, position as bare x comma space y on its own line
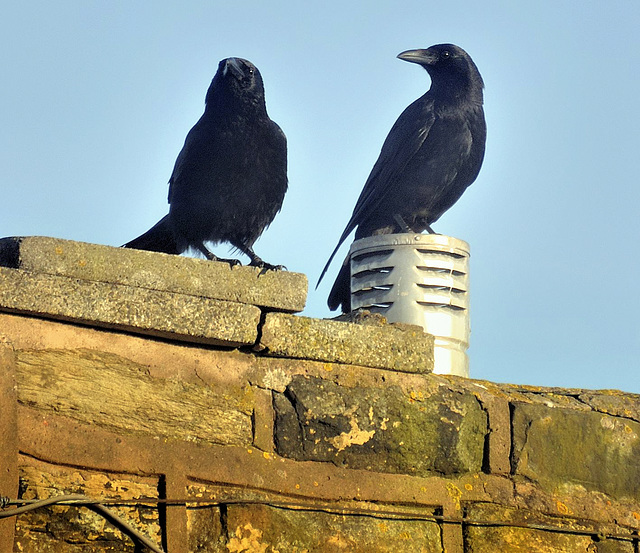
189, 399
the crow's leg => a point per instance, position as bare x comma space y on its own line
401, 224
256, 261
212, 257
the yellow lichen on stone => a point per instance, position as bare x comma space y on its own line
455, 493
562, 508
355, 436
247, 540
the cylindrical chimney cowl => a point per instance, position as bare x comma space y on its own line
420, 279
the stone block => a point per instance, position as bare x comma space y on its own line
139, 310
506, 530
9, 443
77, 529
380, 429
585, 449
613, 402
265, 528
275, 290
111, 392
399, 348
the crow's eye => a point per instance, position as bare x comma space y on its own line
446, 54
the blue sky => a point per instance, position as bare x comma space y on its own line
98, 97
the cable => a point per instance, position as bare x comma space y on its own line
75, 499
99, 506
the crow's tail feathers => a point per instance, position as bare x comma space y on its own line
340, 295
159, 238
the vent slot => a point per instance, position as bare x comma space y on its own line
441, 305
364, 291
371, 255
372, 272
453, 255
441, 271
441, 288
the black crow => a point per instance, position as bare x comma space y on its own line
230, 177
432, 153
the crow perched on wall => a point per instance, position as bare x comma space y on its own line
230, 178
433, 152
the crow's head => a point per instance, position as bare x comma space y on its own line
448, 65
237, 79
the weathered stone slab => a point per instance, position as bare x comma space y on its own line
77, 529
277, 290
380, 429
140, 310
613, 402
400, 348
264, 528
558, 447
521, 531
9, 445
242, 519
112, 392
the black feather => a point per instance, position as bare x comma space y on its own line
433, 152
230, 178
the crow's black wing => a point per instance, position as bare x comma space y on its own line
403, 141
197, 139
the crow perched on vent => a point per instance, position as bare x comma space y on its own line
230, 178
433, 152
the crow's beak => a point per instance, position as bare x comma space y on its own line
422, 57
233, 65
